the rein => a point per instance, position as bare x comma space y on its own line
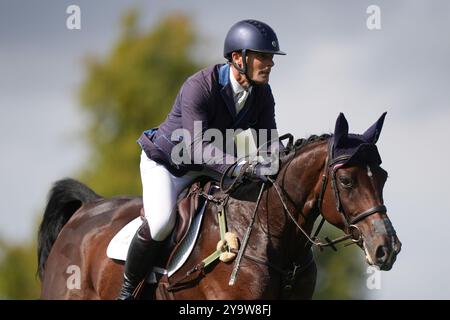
245, 240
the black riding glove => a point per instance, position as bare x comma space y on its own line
253, 171
256, 171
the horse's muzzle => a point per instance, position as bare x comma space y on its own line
380, 243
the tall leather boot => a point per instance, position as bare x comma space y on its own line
140, 260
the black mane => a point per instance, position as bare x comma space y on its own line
302, 142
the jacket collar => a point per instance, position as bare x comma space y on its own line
227, 91
227, 95
224, 72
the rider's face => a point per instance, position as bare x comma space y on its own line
259, 66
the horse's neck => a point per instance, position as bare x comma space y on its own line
300, 179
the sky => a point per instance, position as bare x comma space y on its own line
335, 63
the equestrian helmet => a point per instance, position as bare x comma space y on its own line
251, 35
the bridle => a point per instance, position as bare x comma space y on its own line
351, 229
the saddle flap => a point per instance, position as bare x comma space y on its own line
188, 207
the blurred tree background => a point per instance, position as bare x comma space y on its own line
130, 91
124, 93
341, 274
18, 265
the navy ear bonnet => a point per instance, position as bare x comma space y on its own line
360, 148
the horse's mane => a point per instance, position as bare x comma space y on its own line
303, 142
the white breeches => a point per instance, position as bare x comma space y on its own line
160, 192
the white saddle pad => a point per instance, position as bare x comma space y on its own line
119, 245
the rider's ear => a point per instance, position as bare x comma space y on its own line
341, 129
373, 133
236, 58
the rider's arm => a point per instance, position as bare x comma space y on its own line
194, 103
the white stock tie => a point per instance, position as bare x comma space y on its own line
241, 98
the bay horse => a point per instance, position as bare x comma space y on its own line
334, 176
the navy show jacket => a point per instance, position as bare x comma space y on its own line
207, 96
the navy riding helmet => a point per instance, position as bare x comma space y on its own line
250, 35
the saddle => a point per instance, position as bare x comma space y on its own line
179, 245
189, 204
192, 199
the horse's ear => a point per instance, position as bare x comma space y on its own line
373, 133
341, 129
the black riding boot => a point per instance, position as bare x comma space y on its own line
140, 260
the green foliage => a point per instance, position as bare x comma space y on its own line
129, 91
18, 267
341, 274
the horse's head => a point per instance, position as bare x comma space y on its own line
352, 198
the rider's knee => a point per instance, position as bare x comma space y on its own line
161, 229
144, 231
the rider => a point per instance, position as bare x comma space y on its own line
234, 95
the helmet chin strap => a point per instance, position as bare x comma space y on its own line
243, 70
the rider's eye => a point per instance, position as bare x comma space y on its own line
346, 181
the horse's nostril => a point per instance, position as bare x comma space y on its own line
381, 253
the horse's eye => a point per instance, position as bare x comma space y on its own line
346, 181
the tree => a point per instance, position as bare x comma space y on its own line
130, 90
18, 267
